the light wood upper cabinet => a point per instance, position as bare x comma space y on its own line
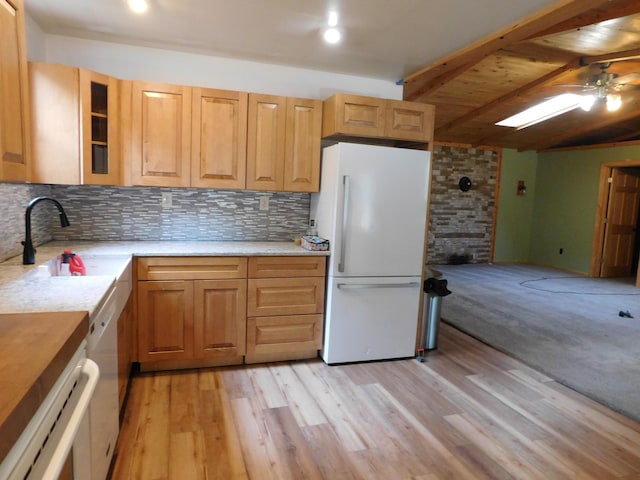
75, 126
358, 116
265, 142
219, 138
15, 154
302, 145
160, 134
409, 121
101, 160
353, 115
203, 137
283, 144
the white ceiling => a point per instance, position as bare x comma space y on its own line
384, 39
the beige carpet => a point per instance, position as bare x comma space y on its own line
566, 326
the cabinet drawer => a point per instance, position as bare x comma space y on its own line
285, 296
275, 267
284, 334
191, 268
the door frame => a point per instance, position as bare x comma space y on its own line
601, 213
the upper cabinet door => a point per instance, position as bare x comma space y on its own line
160, 134
302, 145
265, 142
219, 138
56, 126
409, 121
74, 130
101, 161
14, 98
354, 115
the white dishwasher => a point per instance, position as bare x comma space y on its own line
93, 449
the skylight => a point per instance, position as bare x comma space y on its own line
548, 109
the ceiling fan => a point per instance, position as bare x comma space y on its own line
605, 87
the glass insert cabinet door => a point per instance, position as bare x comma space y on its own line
101, 164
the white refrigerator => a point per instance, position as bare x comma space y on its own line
372, 207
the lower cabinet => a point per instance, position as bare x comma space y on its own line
285, 305
199, 311
190, 313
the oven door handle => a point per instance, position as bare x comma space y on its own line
90, 370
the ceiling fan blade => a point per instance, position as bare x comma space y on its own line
630, 78
571, 85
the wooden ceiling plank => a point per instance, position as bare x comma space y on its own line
587, 128
608, 11
416, 84
539, 52
537, 83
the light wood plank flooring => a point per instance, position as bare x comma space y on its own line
468, 412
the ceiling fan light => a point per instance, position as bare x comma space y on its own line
614, 102
587, 102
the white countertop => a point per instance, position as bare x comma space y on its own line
26, 288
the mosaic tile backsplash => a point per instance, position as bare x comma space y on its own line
133, 213
14, 199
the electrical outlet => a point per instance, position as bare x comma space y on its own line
167, 200
264, 203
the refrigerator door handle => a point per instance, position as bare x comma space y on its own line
377, 285
346, 181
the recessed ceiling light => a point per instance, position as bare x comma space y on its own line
332, 35
138, 6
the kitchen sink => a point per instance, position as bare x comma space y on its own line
95, 265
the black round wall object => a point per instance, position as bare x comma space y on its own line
465, 184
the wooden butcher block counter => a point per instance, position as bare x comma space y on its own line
36, 347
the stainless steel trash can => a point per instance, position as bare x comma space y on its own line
434, 289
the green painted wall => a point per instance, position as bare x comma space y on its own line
562, 214
513, 227
565, 206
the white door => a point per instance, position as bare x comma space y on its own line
381, 211
371, 318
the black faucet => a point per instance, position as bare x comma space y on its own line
29, 253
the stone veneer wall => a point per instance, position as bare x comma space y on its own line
461, 223
134, 213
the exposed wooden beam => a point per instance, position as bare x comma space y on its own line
595, 145
626, 136
417, 84
607, 11
537, 83
586, 129
612, 57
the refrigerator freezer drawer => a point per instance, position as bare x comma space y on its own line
371, 318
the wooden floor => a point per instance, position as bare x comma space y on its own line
468, 412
